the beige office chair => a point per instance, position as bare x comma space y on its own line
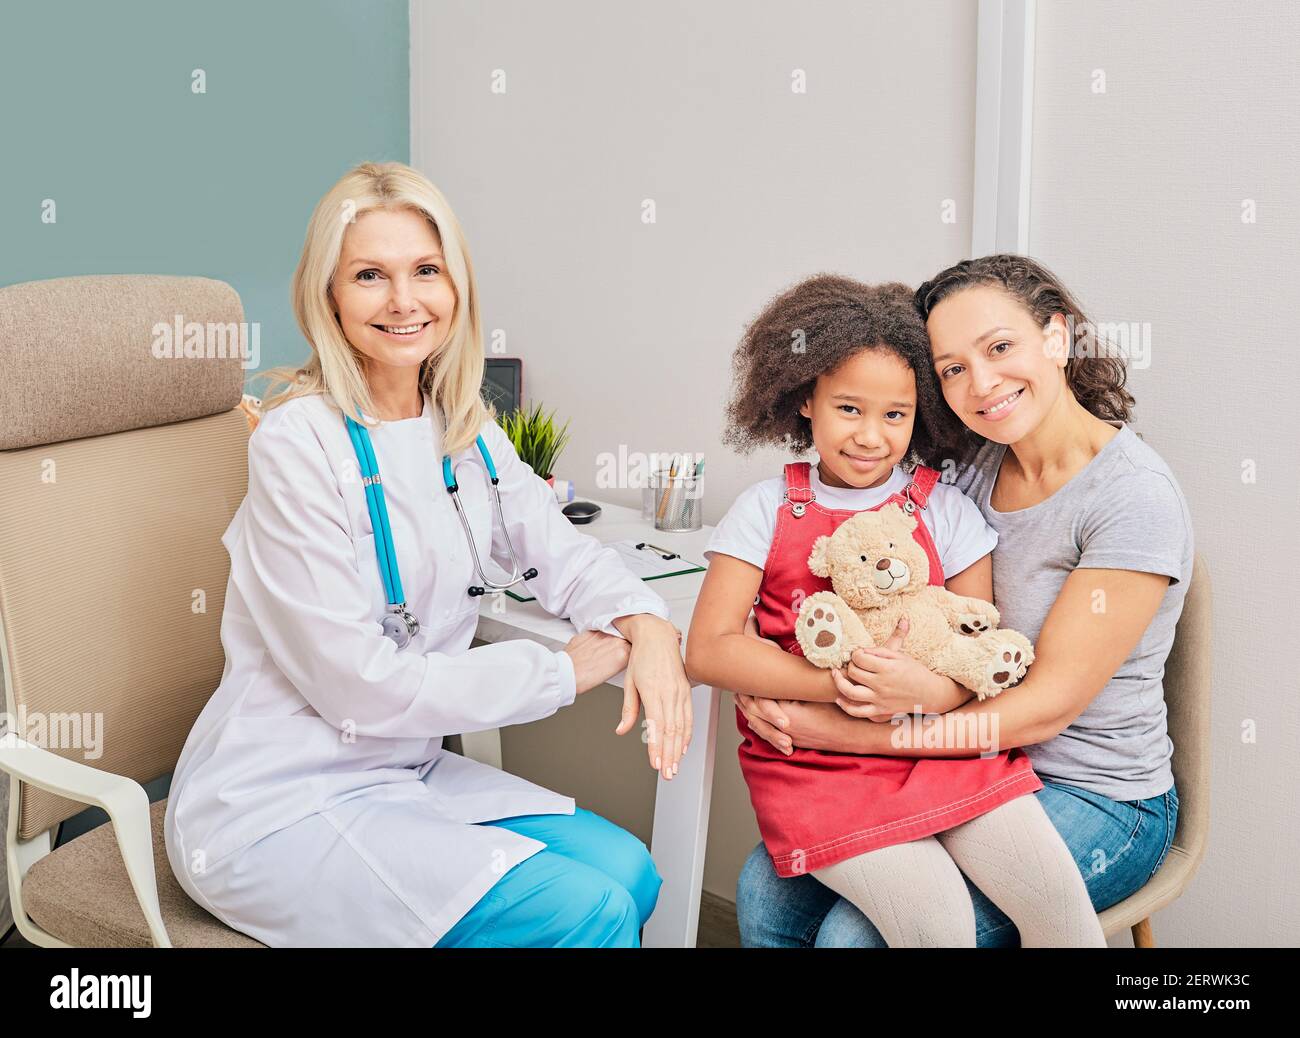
1188, 679
121, 471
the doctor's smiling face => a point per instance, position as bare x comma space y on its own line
391, 290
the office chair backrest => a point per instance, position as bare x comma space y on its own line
1188, 681
120, 469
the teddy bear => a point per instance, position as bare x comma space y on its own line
881, 574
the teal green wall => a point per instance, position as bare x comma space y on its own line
96, 112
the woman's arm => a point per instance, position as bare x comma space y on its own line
1093, 626
718, 653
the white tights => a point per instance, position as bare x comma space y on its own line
915, 895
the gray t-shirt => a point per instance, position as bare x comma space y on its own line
1123, 510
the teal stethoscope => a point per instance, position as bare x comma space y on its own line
398, 622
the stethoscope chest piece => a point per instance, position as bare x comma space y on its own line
400, 625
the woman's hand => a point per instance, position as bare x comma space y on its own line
787, 723
656, 679
881, 682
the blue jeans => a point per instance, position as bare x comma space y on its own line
1118, 844
594, 886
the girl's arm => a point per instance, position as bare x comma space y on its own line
975, 581
719, 653
717, 640
1078, 651
898, 681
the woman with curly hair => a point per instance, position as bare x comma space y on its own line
1093, 560
845, 368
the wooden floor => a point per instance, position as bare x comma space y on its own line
718, 927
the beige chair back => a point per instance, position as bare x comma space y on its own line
1189, 679
121, 470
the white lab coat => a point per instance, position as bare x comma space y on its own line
313, 803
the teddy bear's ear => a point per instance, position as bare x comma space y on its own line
818, 561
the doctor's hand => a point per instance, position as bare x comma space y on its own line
597, 657
656, 679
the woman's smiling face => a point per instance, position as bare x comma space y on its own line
394, 298
862, 414
999, 370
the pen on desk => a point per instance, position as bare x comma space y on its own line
661, 488
676, 485
666, 490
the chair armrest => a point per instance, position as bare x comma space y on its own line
124, 799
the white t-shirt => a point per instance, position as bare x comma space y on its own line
960, 533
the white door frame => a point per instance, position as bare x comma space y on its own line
1004, 115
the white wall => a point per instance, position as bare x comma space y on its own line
1136, 200
1137, 203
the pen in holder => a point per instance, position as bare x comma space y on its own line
678, 500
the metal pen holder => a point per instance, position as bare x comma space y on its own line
677, 501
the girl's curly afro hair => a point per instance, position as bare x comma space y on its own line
809, 330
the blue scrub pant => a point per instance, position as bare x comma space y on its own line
593, 886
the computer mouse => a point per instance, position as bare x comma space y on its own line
580, 512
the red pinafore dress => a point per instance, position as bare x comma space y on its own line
817, 807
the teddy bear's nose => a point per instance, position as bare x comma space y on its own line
883, 564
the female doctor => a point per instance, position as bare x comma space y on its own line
313, 803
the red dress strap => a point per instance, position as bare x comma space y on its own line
923, 481
797, 487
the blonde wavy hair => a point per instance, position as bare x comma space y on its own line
452, 376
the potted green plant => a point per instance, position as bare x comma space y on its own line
536, 439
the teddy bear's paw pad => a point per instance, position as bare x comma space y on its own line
822, 626
1007, 668
973, 624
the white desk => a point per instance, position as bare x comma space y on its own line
681, 820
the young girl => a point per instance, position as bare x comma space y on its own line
844, 367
